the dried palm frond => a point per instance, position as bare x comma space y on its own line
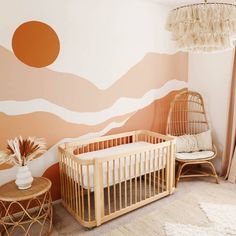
4, 157
20, 151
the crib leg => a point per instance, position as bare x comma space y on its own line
90, 228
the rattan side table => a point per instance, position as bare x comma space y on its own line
26, 212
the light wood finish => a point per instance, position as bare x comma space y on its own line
126, 187
187, 116
16, 213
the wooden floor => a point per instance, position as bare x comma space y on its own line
181, 207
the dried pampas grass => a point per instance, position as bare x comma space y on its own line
20, 151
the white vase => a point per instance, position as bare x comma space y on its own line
24, 178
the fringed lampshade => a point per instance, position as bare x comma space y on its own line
203, 26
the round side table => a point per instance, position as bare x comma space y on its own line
26, 212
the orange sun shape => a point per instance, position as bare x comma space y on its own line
36, 44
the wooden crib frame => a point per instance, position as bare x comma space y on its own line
92, 206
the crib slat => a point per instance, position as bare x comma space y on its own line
167, 161
65, 178
101, 190
65, 174
130, 177
140, 177
154, 172
135, 172
75, 186
88, 178
145, 176
82, 190
150, 179
114, 184
79, 192
120, 183
125, 181
158, 173
108, 187
98, 192
68, 182
72, 185
61, 174
163, 170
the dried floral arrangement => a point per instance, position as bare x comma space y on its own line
20, 151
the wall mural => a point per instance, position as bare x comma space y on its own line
36, 100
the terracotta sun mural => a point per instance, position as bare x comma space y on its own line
36, 44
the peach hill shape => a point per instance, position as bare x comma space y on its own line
152, 72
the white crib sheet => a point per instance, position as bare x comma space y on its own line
160, 162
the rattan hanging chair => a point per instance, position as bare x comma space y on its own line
187, 116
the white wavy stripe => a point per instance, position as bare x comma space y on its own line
49, 158
122, 106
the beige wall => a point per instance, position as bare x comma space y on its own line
210, 75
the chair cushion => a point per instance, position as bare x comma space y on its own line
194, 143
204, 141
194, 155
186, 143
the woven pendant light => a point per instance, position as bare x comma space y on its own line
203, 27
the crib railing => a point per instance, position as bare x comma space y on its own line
97, 190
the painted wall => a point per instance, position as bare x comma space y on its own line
210, 74
92, 68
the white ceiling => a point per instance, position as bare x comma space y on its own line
174, 3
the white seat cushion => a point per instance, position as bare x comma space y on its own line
194, 155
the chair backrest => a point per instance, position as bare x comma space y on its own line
187, 114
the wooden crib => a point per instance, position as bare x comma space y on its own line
106, 177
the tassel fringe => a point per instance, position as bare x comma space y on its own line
203, 27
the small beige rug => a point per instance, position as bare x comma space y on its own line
191, 230
222, 218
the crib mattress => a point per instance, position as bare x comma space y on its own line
119, 170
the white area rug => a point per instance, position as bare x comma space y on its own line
222, 219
